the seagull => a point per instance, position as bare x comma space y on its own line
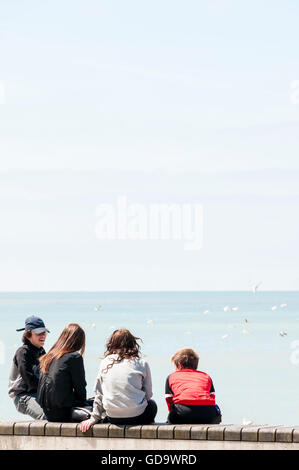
226, 309
235, 308
224, 336
283, 305
150, 322
206, 312
274, 307
93, 325
97, 307
246, 423
255, 287
245, 319
283, 333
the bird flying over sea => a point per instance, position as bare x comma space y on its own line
255, 287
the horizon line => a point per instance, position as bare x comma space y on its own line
140, 290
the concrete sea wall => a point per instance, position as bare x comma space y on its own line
30, 435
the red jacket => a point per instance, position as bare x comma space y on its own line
189, 387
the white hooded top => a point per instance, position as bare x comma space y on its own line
123, 390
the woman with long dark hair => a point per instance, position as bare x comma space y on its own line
124, 386
62, 382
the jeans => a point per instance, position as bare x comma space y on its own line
59, 415
26, 403
74, 414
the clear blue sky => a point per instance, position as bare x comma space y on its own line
163, 102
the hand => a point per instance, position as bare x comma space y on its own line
85, 425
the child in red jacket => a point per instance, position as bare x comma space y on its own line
189, 393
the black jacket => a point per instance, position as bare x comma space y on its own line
64, 386
24, 373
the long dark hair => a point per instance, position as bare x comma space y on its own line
124, 344
71, 339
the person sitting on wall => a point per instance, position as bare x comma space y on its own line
62, 384
24, 375
123, 386
190, 393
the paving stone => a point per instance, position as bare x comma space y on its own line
216, 432
284, 434
21, 428
116, 430
166, 431
250, 433
182, 431
199, 431
296, 434
149, 431
7, 428
68, 429
133, 432
232, 433
53, 429
37, 428
88, 433
267, 434
100, 430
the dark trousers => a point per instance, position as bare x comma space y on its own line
194, 414
59, 415
77, 413
147, 417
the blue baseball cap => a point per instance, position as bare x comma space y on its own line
34, 324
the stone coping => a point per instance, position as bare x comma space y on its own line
207, 432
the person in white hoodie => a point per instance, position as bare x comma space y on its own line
123, 388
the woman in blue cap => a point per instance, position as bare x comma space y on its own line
24, 376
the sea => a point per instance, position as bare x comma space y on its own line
248, 343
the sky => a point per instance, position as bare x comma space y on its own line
193, 103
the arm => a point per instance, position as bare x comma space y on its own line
78, 378
26, 369
168, 394
212, 389
98, 410
147, 382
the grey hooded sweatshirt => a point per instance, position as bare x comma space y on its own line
122, 390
